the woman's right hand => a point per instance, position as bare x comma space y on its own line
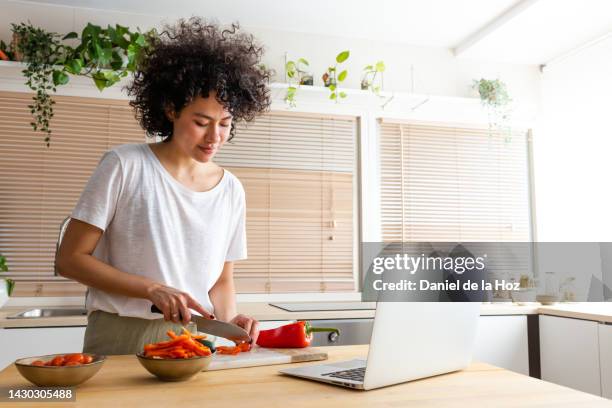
175, 303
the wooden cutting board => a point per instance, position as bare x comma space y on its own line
260, 356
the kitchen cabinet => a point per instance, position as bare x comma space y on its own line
502, 341
25, 342
569, 353
605, 359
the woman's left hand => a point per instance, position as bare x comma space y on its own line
249, 324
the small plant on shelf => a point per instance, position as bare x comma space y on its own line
331, 78
40, 51
297, 74
372, 73
494, 96
9, 284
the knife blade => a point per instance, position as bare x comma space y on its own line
218, 328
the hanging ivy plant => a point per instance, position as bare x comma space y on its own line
104, 54
40, 50
494, 96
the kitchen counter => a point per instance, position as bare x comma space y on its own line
259, 310
122, 381
601, 312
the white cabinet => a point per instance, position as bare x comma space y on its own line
569, 353
605, 359
25, 342
502, 341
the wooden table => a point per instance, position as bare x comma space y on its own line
123, 382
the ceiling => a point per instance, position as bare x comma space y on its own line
514, 31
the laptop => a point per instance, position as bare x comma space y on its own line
410, 340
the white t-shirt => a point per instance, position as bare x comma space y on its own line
156, 227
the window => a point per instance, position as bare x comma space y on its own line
41, 185
298, 174
453, 183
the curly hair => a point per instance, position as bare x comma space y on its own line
191, 59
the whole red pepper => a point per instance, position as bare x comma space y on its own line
294, 335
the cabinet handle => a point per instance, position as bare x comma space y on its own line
333, 337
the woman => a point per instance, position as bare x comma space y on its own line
162, 223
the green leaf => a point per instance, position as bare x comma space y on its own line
332, 87
290, 66
132, 53
303, 61
117, 61
99, 80
140, 40
343, 56
112, 33
368, 68
332, 95
380, 66
60, 78
343, 94
70, 35
121, 30
74, 66
10, 285
342, 75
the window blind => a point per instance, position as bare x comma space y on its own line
41, 185
458, 184
450, 183
298, 174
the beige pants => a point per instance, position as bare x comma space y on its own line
110, 334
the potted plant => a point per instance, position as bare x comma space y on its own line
370, 74
6, 285
331, 79
494, 96
296, 71
40, 50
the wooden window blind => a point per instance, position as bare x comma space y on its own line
450, 184
41, 185
298, 174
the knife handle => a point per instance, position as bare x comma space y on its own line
155, 309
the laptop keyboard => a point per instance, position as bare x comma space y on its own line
354, 374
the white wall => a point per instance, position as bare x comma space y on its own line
572, 149
436, 70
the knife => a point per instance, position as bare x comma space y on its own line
218, 328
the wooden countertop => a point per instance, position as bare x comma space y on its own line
122, 381
596, 311
259, 310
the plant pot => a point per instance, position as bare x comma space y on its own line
328, 80
17, 55
4, 296
307, 79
